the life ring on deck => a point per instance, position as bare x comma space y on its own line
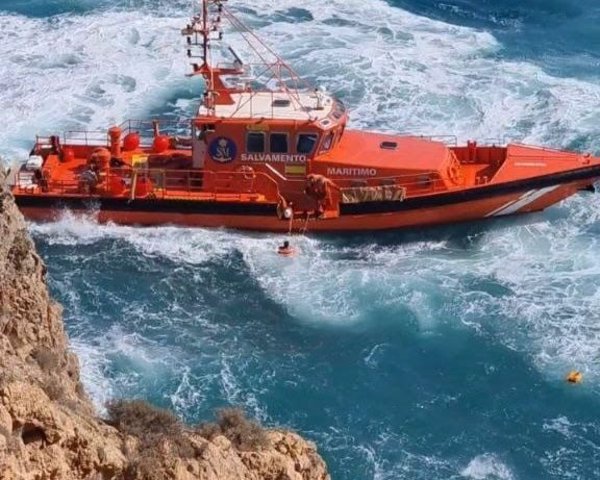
454, 172
247, 172
284, 211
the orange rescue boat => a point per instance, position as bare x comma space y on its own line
265, 151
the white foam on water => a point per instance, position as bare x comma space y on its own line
487, 467
178, 244
402, 72
550, 271
92, 363
397, 71
335, 284
189, 393
578, 442
102, 355
84, 72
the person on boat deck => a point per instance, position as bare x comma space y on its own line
286, 249
40, 179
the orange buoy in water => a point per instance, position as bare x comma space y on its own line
574, 377
160, 144
131, 141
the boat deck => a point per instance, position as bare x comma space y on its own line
154, 176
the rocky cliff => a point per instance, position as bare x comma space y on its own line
48, 427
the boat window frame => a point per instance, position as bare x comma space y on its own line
338, 135
287, 142
264, 140
315, 144
329, 137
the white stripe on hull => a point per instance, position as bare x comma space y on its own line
525, 200
506, 205
275, 171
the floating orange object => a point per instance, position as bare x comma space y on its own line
284, 159
574, 377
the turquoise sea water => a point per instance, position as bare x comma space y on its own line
424, 355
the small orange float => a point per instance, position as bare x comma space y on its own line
574, 377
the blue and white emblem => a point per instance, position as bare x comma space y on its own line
222, 150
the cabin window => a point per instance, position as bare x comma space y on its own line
306, 143
327, 142
202, 131
279, 143
255, 142
281, 102
387, 145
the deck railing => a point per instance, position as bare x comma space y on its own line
145, 129
415, 183
86, 137
159, 183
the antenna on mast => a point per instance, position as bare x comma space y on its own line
203, 29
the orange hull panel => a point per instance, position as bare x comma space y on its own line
508, 204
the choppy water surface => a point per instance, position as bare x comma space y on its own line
438, 354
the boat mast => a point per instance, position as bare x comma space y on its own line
198, 34
205, 39
206, 27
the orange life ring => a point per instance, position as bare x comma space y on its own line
286, 252
454, 172
284, 211
247, 172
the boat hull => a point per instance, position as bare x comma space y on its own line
473, 204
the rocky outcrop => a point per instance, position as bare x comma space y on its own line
48, 427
